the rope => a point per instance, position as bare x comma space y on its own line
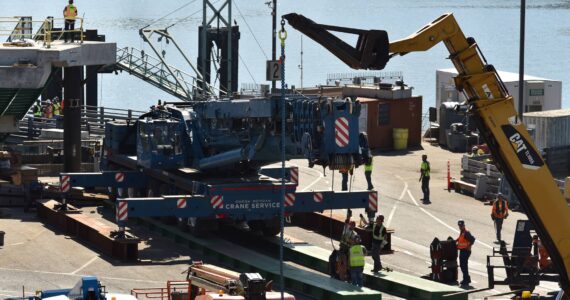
170, 13
251, 31
282, 37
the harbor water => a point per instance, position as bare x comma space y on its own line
494, 25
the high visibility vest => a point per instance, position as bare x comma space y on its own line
425, 168
500, 209
70, 12
368, 167
462, 242
543, 256
356, 254
379, 236
38, 110
56, 109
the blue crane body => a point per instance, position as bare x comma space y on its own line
209, 159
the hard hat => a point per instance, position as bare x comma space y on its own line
380, 217
56, 98
475, 148
461, 222
501, 195
357, 239
48, 101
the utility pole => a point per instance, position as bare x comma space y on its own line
274, 36
521, 61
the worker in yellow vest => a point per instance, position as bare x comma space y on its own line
69, 13
424, 178
356, 261
56, 108
368, 172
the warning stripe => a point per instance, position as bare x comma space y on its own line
318, 197
181, 203
373, 201
65, 183
217, 201
289, 199
341, 132
122, 211
120, 177
294, 173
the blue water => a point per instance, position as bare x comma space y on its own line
494, 25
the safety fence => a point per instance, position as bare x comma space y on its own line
93, 119
19, 31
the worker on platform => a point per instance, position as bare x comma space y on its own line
356, 261
368, 172
464, 243
378, 242
37, 110
69, 13
499, 212
424, 178
48, 109
348, 233
56, 107
543, 256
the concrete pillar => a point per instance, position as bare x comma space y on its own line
72, 119
91, 85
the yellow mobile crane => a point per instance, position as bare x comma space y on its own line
491, 107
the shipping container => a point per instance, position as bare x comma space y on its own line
379, 116
541, 94
551, 128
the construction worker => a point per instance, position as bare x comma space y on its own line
56, 107
48, 109
543, 256
344, 172
368, 172
356, 261
464, 243
424, 178
378, 242
69, 13
499, 212
348, 234
37, 110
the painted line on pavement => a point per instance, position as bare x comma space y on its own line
391, 214
85, 265
77, 275
442, 222
321, 176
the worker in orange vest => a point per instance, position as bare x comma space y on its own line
543, 256
499, 212
69, 13
464, 243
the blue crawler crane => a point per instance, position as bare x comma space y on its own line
202, 161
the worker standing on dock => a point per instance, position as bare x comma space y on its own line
356, 261
464, 243
378, 242
368, 172
499, 212
37, 109
69, 13
424, 178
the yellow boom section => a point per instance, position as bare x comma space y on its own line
508, 139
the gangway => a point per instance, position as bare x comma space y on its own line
156, 72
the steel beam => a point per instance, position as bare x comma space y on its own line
72, 119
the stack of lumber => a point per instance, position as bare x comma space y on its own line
471, 167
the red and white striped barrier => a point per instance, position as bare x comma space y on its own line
181, 203
342, 136
318, 197
65, 184
289, 199
119, 177
294, 173
373, 201
217, 201
122, 211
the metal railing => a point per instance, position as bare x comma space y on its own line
46, 32
174, 290
93, 119
168, 78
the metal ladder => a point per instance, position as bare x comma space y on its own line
156, 72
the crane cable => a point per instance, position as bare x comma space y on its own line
170, 13
251, 31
